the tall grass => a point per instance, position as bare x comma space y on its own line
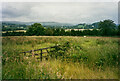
86, 58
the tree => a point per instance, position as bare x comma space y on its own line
107, 27
73, 32
49, 32
56, 32
62, 32
119, 30
35, 29
95, 32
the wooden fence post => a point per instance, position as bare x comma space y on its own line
47, 54
41, 55
24, 53
32, 53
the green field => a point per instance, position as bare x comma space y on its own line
85, 58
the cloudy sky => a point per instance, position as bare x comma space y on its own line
64, 12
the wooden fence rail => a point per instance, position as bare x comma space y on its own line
41, 51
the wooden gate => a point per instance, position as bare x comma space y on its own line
41, 52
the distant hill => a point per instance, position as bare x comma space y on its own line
43, 23
14, 22
55, 24
23, 25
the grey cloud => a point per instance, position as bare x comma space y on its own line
66, 12
11, 10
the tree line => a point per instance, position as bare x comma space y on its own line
106, 28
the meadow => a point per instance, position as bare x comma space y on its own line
84, 58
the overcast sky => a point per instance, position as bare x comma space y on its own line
64, 12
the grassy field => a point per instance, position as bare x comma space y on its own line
85, 58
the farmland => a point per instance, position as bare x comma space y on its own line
84, 58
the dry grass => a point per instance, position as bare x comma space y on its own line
90, 58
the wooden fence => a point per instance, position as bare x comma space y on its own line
41, 52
